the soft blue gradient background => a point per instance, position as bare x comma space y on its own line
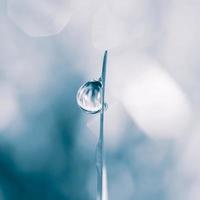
47, 143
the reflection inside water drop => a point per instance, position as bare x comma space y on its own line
89, 97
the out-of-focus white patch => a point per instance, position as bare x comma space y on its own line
8, 106
184, 178
194, 192
157, 104
22, 64
180, 45
129, 9
107, 31
40, 18
29, 75
189, 161
150, 95
121, 185
111, 29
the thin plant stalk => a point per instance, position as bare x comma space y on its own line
100, 146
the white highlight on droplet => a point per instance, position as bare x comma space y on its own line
89, 97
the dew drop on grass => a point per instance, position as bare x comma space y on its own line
89, 97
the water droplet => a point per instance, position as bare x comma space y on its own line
89, 97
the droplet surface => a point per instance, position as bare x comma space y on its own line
89, 97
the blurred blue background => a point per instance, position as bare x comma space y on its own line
47, 144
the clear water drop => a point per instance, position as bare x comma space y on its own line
89, 97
